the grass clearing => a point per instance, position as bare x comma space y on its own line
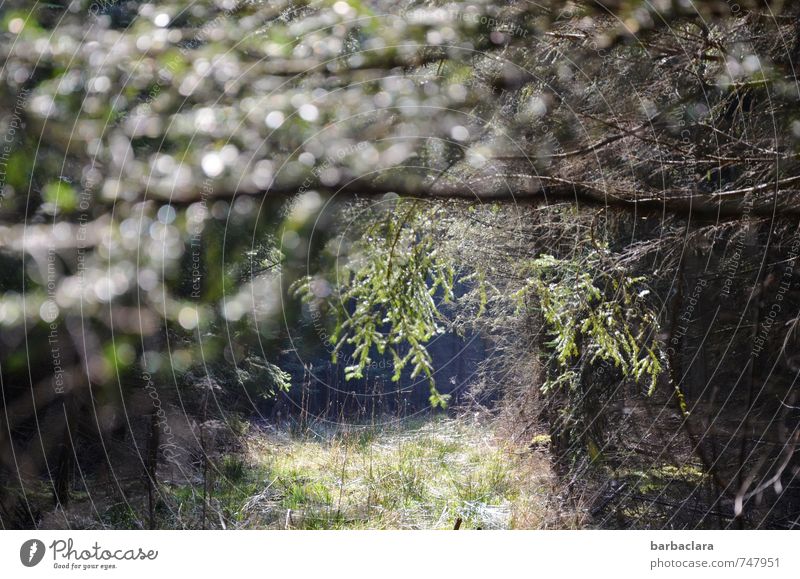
421, 475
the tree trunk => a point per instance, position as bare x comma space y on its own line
154, 441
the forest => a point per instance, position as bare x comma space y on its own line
415, 264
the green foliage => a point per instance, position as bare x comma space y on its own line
61, 196
386, 299
264, 377
595, 311
233, 468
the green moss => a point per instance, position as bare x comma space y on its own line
657, 478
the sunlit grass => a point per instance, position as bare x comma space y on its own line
422, 475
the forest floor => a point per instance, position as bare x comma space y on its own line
419, 474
